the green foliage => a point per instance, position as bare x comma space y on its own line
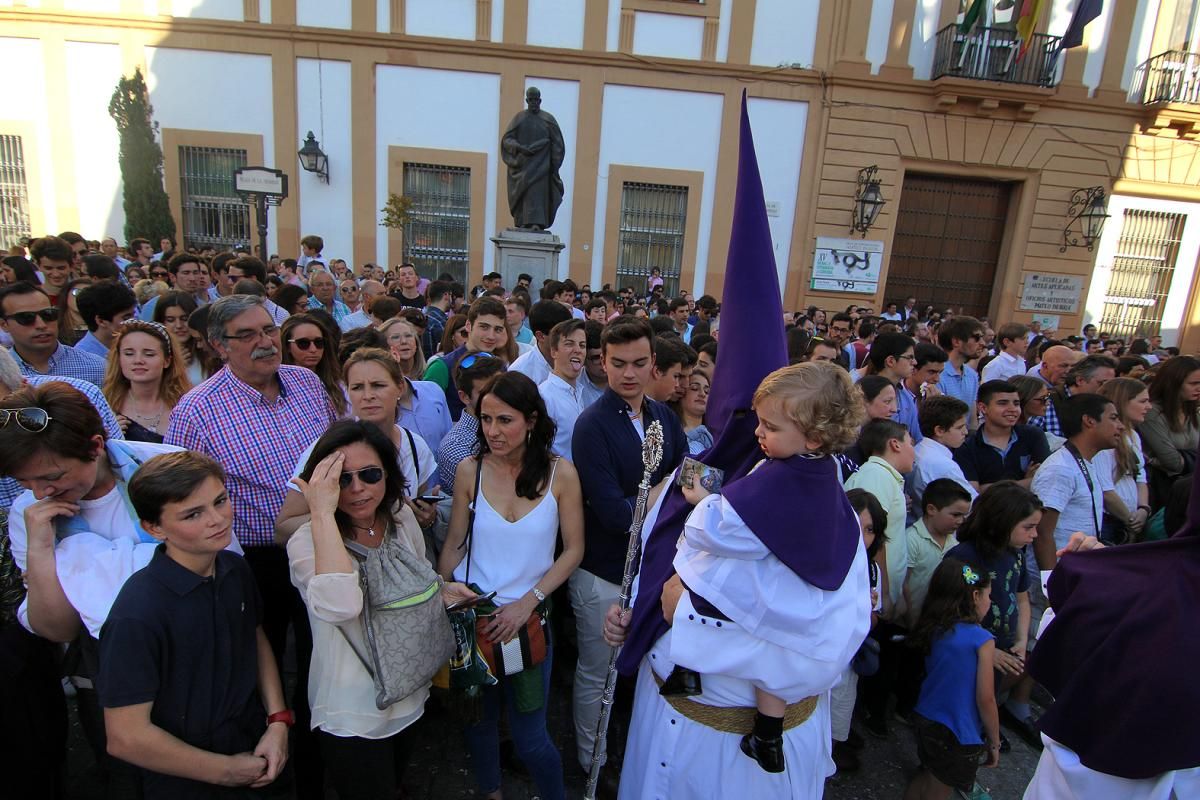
147, 212
397, 212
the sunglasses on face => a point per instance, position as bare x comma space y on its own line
304, 343
33, 420
27, 318
157, 274
370, 475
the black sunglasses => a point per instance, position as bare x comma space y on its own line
417, 318
26, 318
31, 419
371, 475
305, 343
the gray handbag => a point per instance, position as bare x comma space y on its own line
404, 636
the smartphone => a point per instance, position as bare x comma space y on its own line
429, 498
471, 602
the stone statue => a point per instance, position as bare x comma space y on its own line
533, 149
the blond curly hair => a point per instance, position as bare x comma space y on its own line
820, 399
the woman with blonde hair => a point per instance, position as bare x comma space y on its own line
1127, 504
309, 343
144, 379
405, 346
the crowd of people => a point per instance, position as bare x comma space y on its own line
205, 455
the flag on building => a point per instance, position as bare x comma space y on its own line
1085, 12
1027, 22
971, 16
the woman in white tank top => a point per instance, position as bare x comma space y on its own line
525, 498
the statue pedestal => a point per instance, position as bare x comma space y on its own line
534, 253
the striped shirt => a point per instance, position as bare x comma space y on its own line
257, 440
68, 362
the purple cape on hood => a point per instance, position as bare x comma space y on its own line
797, 508
752, 347
1121, 655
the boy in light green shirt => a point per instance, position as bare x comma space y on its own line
945, 504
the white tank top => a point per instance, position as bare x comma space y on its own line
509, 558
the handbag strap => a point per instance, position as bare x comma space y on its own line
471, 518
412, 448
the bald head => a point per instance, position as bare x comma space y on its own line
373, 288
1055, 363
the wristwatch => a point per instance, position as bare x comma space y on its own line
286, 717
538, 594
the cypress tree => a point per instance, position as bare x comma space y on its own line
147, 212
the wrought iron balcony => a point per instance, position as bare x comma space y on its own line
1170, 77
991, 54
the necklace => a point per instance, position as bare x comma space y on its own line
150, 421
369, 529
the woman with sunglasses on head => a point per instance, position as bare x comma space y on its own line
354, 485
376, 389
144, 379
73, 531
405, 345
172, 311
308, 343
522, 498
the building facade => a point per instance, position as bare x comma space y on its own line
977, 144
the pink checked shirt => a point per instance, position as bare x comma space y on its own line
256, 440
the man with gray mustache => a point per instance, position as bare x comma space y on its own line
255, 417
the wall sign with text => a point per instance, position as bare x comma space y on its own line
1056, 294
847, 265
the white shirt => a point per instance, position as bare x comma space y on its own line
1003, 367
357, 319
1127, 487
1060, 484
533, 365
564, 404
934, 460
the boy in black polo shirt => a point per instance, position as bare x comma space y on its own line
185, 669
1001, 450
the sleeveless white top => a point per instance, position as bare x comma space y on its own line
509, 558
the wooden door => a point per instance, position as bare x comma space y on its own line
947, 242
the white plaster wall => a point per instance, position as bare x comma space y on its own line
445, 19
879, 32
561, 98
324, 13
460, 111
613, 35
1185, 263
923, 46
723, 24
556, 23
497, 20
383, 16
1140, 40
195, 90
785, 32
264, 11
778, 127
93, 6
1096, 41
23, 98
92, 72
668, 35
209, 9
326, 209
687, 136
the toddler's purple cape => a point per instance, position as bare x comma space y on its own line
1121, 655
798, 509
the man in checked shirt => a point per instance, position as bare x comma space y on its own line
256, 417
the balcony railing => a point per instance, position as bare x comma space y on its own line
1170, 77
991, 54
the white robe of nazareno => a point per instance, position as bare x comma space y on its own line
786, 635
1061, 776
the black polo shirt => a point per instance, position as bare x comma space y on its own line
985, 464
188, 645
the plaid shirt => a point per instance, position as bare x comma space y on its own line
256, 440
340, 310
461, 442
70, 362
1050, 422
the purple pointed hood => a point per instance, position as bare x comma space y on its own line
752, 346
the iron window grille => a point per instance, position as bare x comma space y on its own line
1141, 273
652, 227
14, 192
213, 213
437, 236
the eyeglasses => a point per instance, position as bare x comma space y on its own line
304, 343
908, 357
33, 420
976, 336
245, 337
27, 318
350, 290
369, 475
1042, 399
471, 360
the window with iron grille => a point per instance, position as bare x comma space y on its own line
653, 222
14, 192
437, 236
213, 213
1141, 274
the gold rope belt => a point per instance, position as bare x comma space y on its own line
736, 719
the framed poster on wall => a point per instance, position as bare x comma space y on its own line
847, 265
